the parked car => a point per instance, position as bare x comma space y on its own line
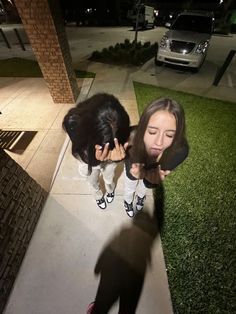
187, 40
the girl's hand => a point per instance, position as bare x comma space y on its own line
137, 171
156, 176
102, 154
163, 173
116, 154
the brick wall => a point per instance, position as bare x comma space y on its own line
21, 203
44, 26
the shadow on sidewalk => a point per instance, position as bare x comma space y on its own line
123, 262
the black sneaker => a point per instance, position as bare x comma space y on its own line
110, 197
140, 203
101, 203
129, 209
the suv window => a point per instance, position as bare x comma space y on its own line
193, 23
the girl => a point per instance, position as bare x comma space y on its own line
100, 120
156, 146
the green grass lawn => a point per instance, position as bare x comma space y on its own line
18, 67
199, 232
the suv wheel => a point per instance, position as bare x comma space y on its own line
195, 70
158, 63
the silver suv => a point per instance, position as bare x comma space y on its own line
187, 41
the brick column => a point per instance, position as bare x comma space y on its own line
44, 26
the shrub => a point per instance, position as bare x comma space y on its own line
126, 53
117, 46
127, 43
96, 55
147, 44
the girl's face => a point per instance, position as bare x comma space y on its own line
159, 133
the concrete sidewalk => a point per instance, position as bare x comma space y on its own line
57, 274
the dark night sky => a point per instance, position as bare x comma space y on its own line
75, 3
169, 3
118, 8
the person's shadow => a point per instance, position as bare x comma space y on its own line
123, 262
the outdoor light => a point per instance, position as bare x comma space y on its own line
156, 12
201, 48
